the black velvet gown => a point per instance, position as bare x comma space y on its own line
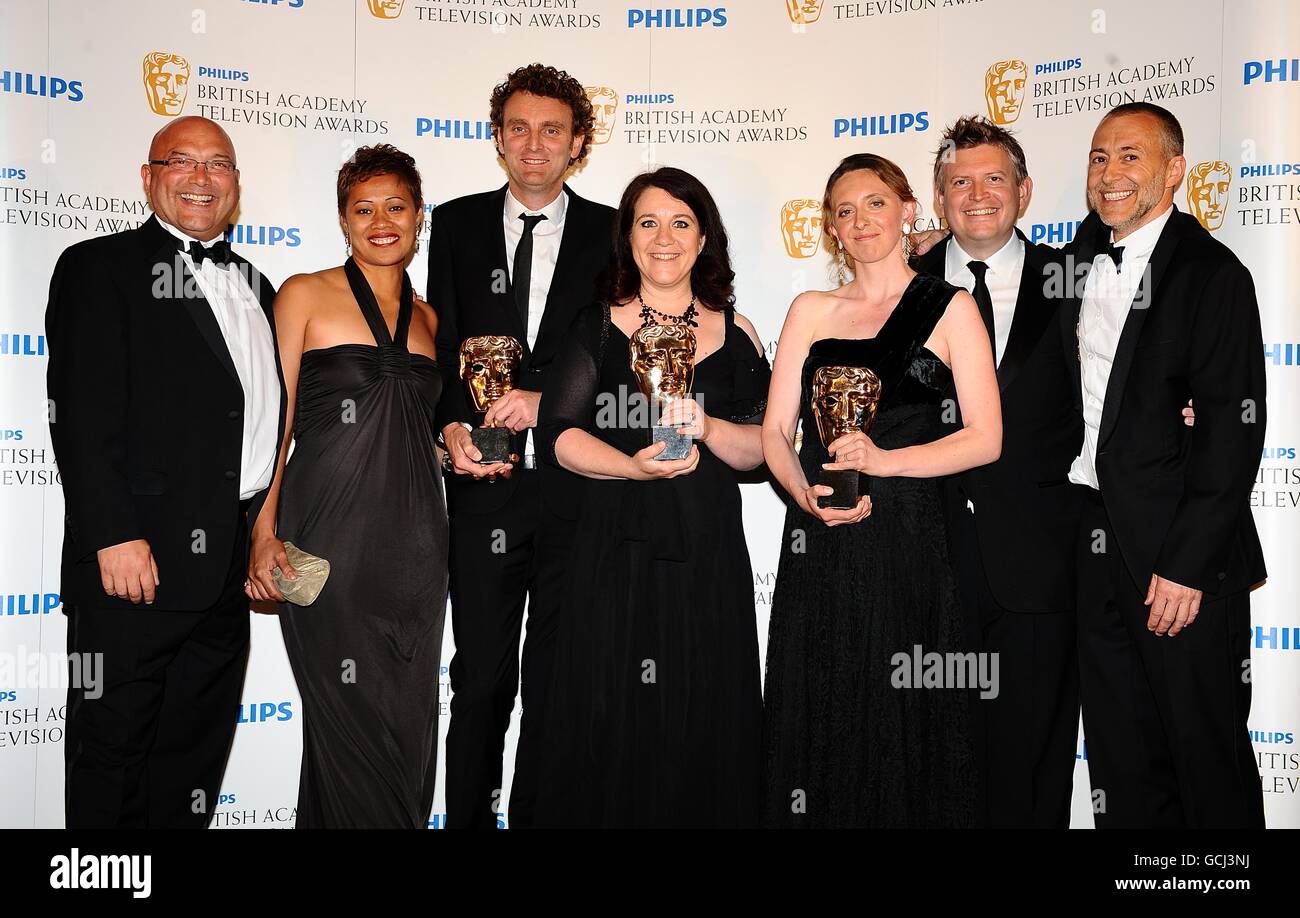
842, 745
654, 717
363, 489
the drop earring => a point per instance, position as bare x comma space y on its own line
347, 245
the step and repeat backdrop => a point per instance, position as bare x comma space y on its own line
759, 98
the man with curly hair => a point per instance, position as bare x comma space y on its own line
521, 261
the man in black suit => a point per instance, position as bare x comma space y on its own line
1015, 520
166, 412
1168, 551
520, 261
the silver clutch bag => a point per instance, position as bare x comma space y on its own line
312, 574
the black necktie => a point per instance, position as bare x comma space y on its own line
219, 252
522, 277
983, 299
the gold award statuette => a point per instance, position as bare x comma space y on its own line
844, 399
663, 361
488, 364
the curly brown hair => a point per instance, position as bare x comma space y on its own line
542, 80
381, 159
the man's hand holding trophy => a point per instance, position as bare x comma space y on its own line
488, 366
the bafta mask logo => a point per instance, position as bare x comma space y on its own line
663, 360
385, 9
604, 105
166, 82
488, 364
803, 12
1207, 192
1004, 90
844, 399
801, 227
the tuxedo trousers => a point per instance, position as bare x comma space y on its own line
1025, 735
1164, 718
146, 747
500, 562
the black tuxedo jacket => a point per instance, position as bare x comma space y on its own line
1024, 517
1179, 497
469, 289
146, 416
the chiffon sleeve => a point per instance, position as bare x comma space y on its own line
569, 399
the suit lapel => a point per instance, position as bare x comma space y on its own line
1077, 253
161, 247
1031, 314
573, 245
1068, 316
1143, 303
502, 296
200, 311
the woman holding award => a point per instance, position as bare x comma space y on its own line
655, 711
850, 737
364, 491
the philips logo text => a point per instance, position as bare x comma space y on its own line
1282, 70
872, 125
38, 84
677, 18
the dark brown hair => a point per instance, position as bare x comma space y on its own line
1171, 132
381, 159
976, 132
712, 280
541, 80
884, 169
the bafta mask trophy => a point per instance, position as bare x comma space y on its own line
663, 361
488, 364
844, 399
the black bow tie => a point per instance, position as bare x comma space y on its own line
219, 252
1116, 253
1104, 247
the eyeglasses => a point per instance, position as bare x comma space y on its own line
186, 164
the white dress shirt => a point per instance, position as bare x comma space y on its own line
248, 338
1107, 298
547, 235
1002, 278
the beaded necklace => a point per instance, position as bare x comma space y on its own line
648, 314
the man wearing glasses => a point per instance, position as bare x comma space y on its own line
167, 408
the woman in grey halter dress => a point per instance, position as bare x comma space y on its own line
363, 489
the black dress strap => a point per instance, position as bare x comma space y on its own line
374, 316
918, 312
751, 375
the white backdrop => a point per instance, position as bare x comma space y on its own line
759, 98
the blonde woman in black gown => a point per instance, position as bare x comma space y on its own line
844, 743
363, 490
